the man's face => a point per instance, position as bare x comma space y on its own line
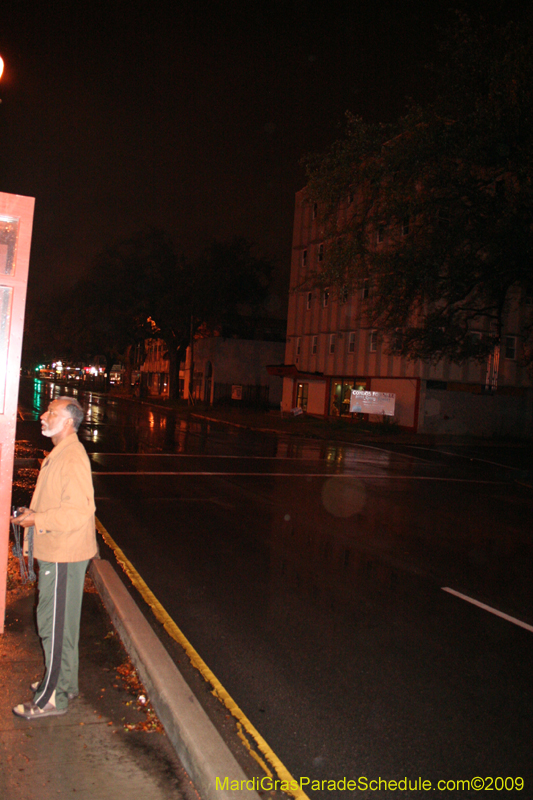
54, 420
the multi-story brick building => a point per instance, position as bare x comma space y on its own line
330, 352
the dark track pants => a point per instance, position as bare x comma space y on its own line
58, 624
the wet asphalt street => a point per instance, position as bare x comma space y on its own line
313, 579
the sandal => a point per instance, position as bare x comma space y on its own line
32, 711
35, 685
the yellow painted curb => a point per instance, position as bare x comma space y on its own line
290, 784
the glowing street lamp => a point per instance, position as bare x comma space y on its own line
1, 66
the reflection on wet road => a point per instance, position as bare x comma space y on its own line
416, 509
117, 427
309, 577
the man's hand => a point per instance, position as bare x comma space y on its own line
25, 517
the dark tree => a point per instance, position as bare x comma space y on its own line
131, 290
141, 289
227, 285
435, 212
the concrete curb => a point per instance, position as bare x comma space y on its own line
198, 744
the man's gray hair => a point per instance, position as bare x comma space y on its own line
75, 411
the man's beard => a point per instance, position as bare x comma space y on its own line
46, 431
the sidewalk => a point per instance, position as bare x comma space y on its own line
136, 730
107, 746
112, 744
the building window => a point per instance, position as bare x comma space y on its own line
442, 220
304, 258
320, 255
302, 391
474, 339
510, 347
314, 345
325, 298
298, 345
331, 343
366, 289
343, 295
309, 299
373, 341
315, 210
397, 340
380, 235
351, 342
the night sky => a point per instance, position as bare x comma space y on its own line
189, 116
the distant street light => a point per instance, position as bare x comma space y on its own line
1, 66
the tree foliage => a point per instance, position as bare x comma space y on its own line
140, 288
108, 310
228, 283
448, 189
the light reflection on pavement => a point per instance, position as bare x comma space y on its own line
309, 576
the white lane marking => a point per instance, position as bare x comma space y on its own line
213, 500
462, 455
495, 611
208, 455
352, 475
253, 458
384, 450
192, 455
483, 461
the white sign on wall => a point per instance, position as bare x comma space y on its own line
372, 403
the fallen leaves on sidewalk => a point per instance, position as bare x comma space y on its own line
89, 587
133, 685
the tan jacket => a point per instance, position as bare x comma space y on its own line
64, 504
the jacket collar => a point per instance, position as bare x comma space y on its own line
71, 439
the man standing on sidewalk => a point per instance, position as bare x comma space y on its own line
64, 541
